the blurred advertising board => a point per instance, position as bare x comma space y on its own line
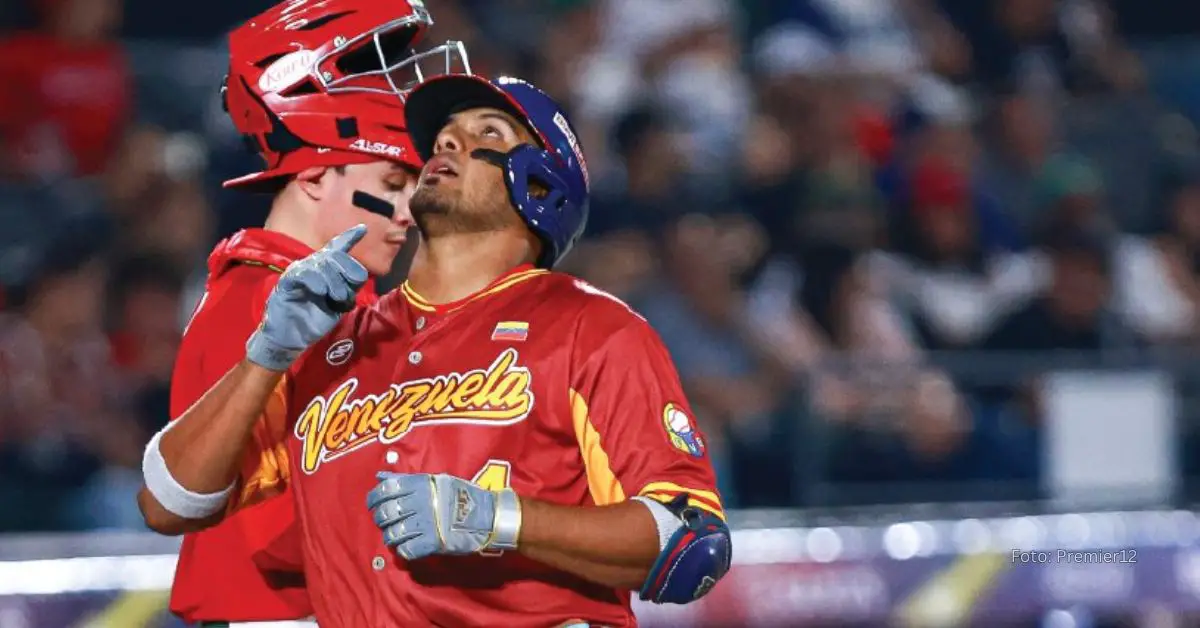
917, 573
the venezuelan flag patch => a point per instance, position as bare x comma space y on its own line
512, 331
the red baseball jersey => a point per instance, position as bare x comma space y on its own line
539, 382
221, 574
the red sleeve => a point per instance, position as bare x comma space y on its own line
632, 421
215, 341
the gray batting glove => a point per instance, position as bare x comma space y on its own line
311, 296
423, 515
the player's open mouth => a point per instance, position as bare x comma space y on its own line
440, 166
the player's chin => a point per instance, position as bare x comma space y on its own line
379, 257
435, 199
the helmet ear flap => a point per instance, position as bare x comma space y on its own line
525, 167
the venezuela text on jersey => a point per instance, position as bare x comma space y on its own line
333, 426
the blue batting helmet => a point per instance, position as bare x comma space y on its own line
557, 217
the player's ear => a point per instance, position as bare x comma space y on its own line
313, 181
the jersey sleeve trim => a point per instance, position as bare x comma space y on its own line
267, 467
268, 478
665, 492
603, 484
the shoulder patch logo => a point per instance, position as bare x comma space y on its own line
680, 430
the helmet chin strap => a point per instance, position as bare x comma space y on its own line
373, 204
503, 162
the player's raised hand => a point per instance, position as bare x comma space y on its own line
310, 297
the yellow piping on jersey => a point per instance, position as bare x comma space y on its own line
421, 303
602, 482
273, 267
666, 491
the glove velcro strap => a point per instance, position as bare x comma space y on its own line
262, 352
506, 526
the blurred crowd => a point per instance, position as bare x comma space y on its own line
813, 202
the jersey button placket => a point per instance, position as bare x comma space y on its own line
414, 358
420, 323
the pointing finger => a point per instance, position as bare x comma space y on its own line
351, 269
346, 240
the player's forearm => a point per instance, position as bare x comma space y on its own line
614, 576
202, 450
610, 545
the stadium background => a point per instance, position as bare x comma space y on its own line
930, 270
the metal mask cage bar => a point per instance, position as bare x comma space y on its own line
448, 58
394, 77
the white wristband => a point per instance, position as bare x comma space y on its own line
506, 527
173, 496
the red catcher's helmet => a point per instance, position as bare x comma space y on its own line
322, 83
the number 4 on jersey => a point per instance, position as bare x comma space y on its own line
494, 476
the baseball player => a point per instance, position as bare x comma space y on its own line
520, 439
335, 158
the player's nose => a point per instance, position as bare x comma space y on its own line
402, 216
448, 140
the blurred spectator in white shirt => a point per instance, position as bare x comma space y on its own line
954, 288
1073, 310
827, 319
1157, 285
